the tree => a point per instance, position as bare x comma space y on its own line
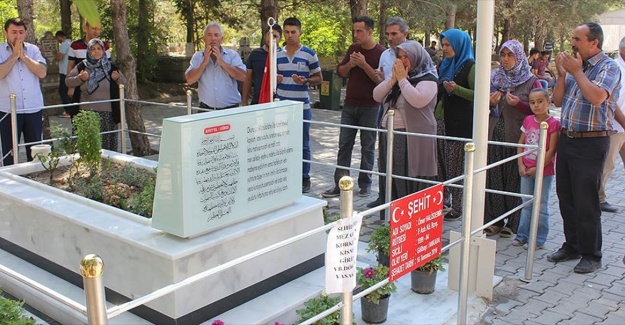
139, 142
25, 10
358, 7
66, 17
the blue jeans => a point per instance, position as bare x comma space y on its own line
306, 144
29, 126
357, 116
527, 187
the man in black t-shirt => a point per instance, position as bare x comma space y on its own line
256, 67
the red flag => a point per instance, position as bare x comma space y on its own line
265, 87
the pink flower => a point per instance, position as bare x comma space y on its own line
278, 323
369, 272
218, 322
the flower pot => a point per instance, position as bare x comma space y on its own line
423, 282
374, 313
383, 259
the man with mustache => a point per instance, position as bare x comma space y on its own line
216, 70
587, 90
21, 67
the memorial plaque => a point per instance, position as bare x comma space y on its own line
416, 230
49, 46
222, 167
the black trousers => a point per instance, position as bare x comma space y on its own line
63, 92
28, 125
579, 166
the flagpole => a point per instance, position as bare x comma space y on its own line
272, 60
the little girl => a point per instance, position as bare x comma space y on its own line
539, 103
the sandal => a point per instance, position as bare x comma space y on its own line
492, 230
506, 232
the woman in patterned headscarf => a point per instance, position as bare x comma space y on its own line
411, 92
511, 84
98, 80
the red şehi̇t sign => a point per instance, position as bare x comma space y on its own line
416, 230
216, 129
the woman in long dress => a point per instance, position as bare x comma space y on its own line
511, 84
411, 92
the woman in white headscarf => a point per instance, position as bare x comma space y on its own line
98, 80
411, 92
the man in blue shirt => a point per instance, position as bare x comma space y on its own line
62, 56
298, 68
587, 90
21, 67
216, 70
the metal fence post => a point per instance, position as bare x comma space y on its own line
122, 112
189, 101
463, 290
91, 268
346, 184
390, 137
14, 136
538, 190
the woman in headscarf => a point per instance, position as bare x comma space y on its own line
411, 92
98, 80
455, 92
511, 84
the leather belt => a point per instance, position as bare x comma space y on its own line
589, 134
202, 105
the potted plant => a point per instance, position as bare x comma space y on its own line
380, 242
374, 306
423, 279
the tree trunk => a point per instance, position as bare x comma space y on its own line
358, 7
126, 63
451, 17
540, 34
66, 17
145, 10
268, 8
382, 20
25, 11
190, 21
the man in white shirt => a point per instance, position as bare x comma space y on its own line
21, 67
216, 70
617, 140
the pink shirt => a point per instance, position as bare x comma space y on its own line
531, 129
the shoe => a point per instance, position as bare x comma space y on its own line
305, 185
364, 191
492, 230
607, 207
538, 247
517, 242
587, 265
374, 204
506, 232
452, 216
64, 115
334, 192
562, 255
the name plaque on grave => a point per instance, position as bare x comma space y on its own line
222, 167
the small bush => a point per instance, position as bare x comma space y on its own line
11, 313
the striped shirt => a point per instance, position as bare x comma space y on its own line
304, 63
21, 81
579, 115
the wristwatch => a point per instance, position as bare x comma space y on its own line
307, 82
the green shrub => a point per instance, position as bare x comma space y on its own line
315, 306
89, 143
11, 313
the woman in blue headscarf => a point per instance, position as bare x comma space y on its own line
411, 92
456, 87
511, 84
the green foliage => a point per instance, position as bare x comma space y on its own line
315, 306
433, 265
380, 240
8, 10
11, 313
90, 188
371, 276
89, 144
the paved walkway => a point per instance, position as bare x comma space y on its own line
556, 296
